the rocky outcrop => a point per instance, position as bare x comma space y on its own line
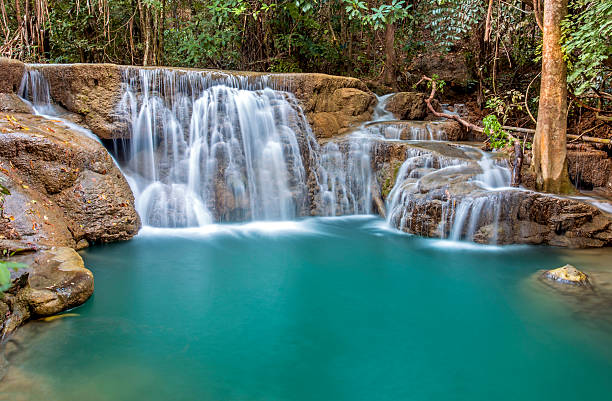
11, 72
54, 281
332, 104
589, 168
449, 67
439, 196
407, 105
90, 90
65, 188
567, 274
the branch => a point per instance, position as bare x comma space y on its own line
470, 126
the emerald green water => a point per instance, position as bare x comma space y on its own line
324, 309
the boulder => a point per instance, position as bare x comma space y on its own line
55, 280
11, 103
90, 90
450, 67
65, 188
567, 274
332, 104
407, 105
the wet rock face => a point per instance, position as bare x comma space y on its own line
408, 105
589, 168
90, 90
11, 72
55, 280
332, 104
448, 202
65, 188
567, 274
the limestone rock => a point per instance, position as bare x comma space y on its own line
589, 167
407, 105
11, 72
505, 216
91, 90
56, 280
64, 186
11, 103
567, 274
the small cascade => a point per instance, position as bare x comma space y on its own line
346, 178
449, 197
402, 205
470, 212
407, 130
495, 172
206, 148
34, 88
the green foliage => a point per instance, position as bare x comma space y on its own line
506, 104
451, 20
587, 31
5, 273
496, 136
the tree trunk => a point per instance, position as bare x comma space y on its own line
390, 77
549, 144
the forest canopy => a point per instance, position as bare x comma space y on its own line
497, 44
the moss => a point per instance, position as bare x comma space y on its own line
389, 181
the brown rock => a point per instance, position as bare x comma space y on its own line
11, 72
91, 90
56, 280
64, 186
407, 105
11, 103
588, 167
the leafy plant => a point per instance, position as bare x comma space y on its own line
587, 31
5, 273
496, 136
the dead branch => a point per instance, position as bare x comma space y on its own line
469, 126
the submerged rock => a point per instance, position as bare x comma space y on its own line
567, 274
56, 280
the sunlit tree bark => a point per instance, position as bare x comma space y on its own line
550, 141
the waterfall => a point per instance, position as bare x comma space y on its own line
421, 187
208, 149
34, 88
346, 178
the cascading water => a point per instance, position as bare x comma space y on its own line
34, 88
211, 147
206, 149
462, 213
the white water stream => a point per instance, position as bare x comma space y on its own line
207, 148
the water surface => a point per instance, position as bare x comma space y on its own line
322, 309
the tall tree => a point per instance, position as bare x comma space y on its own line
550, 141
